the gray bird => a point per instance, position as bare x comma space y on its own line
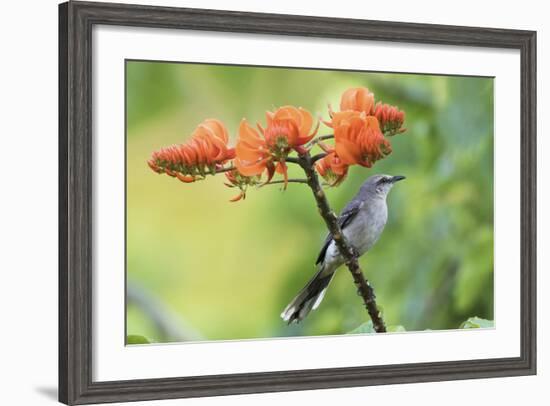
362, 222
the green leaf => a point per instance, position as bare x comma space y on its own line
365, 328
136, 339
368, 328
477, 322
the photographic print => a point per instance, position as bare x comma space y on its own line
254, 202
271, 202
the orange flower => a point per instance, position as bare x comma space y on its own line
332, 169
358, 139
390, 118
287, 128
252, 154
358, 133
344, 117
357, 99
204, 153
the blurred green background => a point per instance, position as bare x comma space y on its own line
201, 268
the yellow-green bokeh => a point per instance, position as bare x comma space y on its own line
219, 270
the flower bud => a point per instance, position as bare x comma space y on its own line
201, 155
390, 118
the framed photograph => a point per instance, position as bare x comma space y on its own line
260, 202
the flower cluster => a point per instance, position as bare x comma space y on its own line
204, 153
390, 118
288, 128
360, 131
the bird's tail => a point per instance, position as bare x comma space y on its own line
309, 298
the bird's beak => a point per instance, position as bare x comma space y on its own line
397, 178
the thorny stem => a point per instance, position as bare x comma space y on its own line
364, 289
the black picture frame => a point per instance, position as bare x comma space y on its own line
76, 20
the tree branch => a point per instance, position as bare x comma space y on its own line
276, 182
315, 158
319, 139
364, 289
292, 160
227, 169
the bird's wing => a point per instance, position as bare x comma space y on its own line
349, 212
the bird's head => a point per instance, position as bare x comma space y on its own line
380, 185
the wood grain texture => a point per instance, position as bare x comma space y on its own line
76, 20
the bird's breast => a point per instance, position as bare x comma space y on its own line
370, 223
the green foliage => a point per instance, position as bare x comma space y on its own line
472, 322
396, 329
136, 339
228, 269
365, 328
476, 322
